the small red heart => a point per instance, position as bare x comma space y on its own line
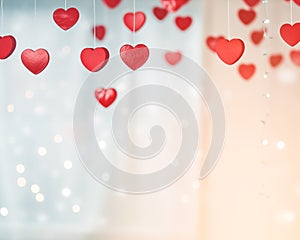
252, 3
7, 46
66, 19
290, 33
173, 5
94, 59
230, 51
112, 3
183, 23
173, 57
138, 18
99, 31
247, 70
212, 41
296, 1
295, 56
275, 59
247, 16
160, 13
257, 36
106, 97
134, 57
35, 61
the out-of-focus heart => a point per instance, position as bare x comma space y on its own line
160, 13
183, 23
173, 5
252, 3
230, 51
275, 59
112, 3
247, 70
295, 56
99, 31
106, 97
134, 21
212, 41
173, 57
247, 16
257, 36
134, 57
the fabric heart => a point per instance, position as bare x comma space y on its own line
257, 36
7, 46
66, 19
173, 57
212, 41
134, 57
290, 33
252, 3
94, 59
173, 5
183, 23
230, 51
275, 59
247, 70
295, 56
112, 3
99, 31
106, 97
247, 16
138, 18
35, 61
160, 13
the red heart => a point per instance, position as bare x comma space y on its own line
183, 22
247, 70
160, 13
99, 31
230, 51
296, 1
66, 19
112, 3
247, 16
290, 33
173, 57
94, 59
35, 61
257, 36
138, 18
252, 3
212, 41
295, 56
173, 5
275, 59
134, 57
7, 46
106, 96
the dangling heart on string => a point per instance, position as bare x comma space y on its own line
99, 31
246, 70
66, 19
112, 3
106, 97
257, 36
290, 33
94, 59
183, 23
295, 57
173, 57
35, 61
173, 5
134, 57
160, 13
275, 59
7, 46
230, 51
252, 3
212, 41
247, 16
138, 18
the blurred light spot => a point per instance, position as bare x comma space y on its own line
39, 197
266, 75
196, 184
265, 142
76, 208
102, 144
105, 177
266, 21
280, 145
3, 212
287, 217
10, 108
268, 95
21, 182
20, 168
68, 164
29, 94
42, 151
35, 188
185, 199
287, 76
58, 138
66, 192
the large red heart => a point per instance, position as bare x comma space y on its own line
66, 19
252, 3
112, 3
35, 61
257, 36
230, 51
134, 21
99, 31
94, 59
173, 5
247, 70
183, 22
212, 41
134, 57
106, 96
247, 16
7, 46
275, 59
295, 56
173, 57
290, 33
160, 13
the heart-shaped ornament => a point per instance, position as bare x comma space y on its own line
134, 21
257, 36
173, 5
160, 13
94, 59
247, 16
230, 51
275, 59
112, 3
35, 61
7, 46
134, 57
252, 3
290, 33
99, 31
106, 97
246, 70
183, 23
295, 56
66, 19
173, 57
212, 41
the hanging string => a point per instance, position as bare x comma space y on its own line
291, 11
65, 4
94, 29
133, 23
228, 19
2, 14
34, 8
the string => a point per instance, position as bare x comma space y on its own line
228, 19
133, 23
291, 11
65, 4
2, 24
94, 30
34, 8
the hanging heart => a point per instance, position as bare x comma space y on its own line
296, 1
173, 5
295, 57
247, 16
112, 3
106, 97
160, 13
252, 3
99, 32
35, 61
173, 57
7, 46
290, 33
183, 23
257, 36
134, 21
94, 59
246, 70
275, 59
134, 57
230, 51
212, 41
66, 19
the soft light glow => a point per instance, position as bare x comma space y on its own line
66, 192
265, 142
76, 208
266, 21
185, 198
280, 145
68, 164
287, 217
102, 144
39, 197
35, 188
42, 151
21, 182
58, 138
10, 108
196, 184
3, 212
266, 75
20, 168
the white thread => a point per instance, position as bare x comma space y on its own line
291, 11
94, 27
34, 8
228, 19
133, 23
2, 24
65, 4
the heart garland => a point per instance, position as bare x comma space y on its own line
138, 19
290, 33
275, 60
35, 61
134, 57
112, 3
66, 19
183, 23
99, 32
211, 42
247, 16
247, 70
106, 97
160, 13
295, 57
257, 36
173, 58
7, 46
230, 51
173, 5
94, 59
